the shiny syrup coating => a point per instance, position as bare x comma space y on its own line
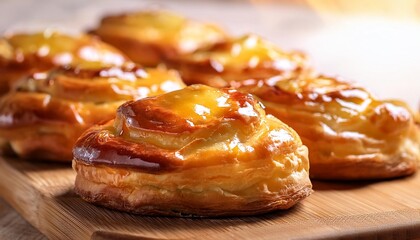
81, 96
326, 109
57, 106
235, 61
306, 88
174, 114
25, 54
171, 116
57, 49
150, 37
248, 51
100, 148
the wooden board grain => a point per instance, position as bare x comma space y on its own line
13, 226
43, 194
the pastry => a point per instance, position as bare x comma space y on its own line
237, 60
24, 54
350, 134
47, 112
199, 151
149, 38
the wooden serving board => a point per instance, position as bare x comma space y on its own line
43, 194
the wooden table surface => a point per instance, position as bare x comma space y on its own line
13, 226
43, 193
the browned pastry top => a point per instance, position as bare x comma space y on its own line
74, 95
57, 49
234, 62
54, 108
162, 27
336, 101
23, 54
198, 151
169, 133
350, 134
150, 37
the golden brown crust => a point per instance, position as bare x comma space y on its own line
349, 133
167, 156
238, 61
145, 201
24, 54
149, 38
48, 111
365, 167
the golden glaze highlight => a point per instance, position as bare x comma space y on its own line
215, 154
47, 112
149, 38
25, 54
349, 133
233, 62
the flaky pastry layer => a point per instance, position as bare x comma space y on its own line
24, 54
349, 133
149, 38
216, 154
47, 112
237, 61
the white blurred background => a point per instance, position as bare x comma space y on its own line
374, 43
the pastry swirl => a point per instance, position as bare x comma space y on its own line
24, 54
149, 38
199, 151
349, 133
48, 111
233, 62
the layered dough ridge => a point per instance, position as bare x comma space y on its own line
216, 154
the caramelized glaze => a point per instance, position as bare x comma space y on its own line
24, 54
344, 126
150, 37
68, 101
188, 152
168, 127
205, 106
234, 62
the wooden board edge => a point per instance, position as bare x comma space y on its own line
20, 194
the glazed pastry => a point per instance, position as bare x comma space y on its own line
47, 112
350, 134
199, 151
24, 54
148, 38
237, 60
